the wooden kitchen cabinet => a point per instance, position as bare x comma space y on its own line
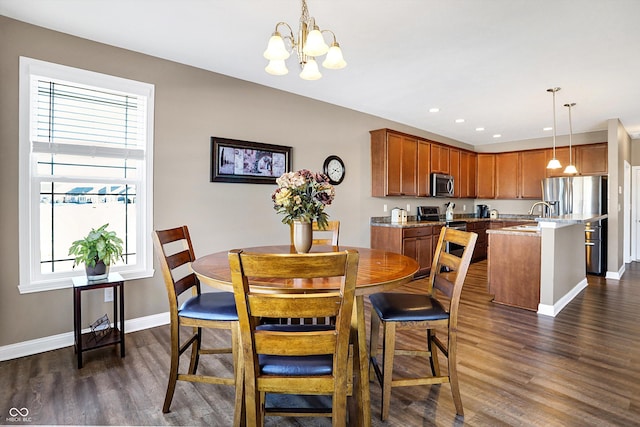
467, 174
519, 174
454, 170
514, 269
532, 170
424, 169
480, 228
485, 183
592, 159
440, 158
394, 160
462, 166
507, 175
562, 154
415, 242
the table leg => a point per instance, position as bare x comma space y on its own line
77, 327
121, 286
361, 362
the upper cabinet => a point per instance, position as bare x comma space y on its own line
462, 166
592, 159
440, 159
519, 174
589, 159
486, 182
394, 164
532, 170
401, 165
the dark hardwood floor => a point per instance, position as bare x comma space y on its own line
516, 368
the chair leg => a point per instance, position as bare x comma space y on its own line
433, 349
388, 349
238, 372
173, 370
374, 339
339, 409
195, 351
453, 372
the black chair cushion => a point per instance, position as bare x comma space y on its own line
296, 365
396, 307
210, 306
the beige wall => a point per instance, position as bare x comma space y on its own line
191, 106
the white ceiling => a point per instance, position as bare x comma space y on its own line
486, 61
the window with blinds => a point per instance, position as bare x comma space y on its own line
85, 161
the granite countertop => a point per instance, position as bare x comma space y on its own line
385, 221
573, 218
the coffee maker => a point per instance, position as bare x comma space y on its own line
482, 211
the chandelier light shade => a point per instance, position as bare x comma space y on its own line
554, 163
570, 169
308, 46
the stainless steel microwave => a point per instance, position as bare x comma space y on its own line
441, 185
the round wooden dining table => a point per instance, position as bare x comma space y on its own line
377, 271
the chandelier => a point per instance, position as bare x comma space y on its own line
554, 163
309, 45
570, 169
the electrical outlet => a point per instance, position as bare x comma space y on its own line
108, 294
464, 208
408, 207
384, 207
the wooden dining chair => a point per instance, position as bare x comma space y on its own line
216, 310
438, 307
323, 236
294, 359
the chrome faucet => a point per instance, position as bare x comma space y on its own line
546, 212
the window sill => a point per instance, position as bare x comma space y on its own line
65, 282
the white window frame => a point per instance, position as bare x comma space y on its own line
31, 278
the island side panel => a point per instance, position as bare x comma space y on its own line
514, 269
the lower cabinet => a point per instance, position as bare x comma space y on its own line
480, 228
418, 243
513, 269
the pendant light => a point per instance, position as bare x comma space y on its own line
554, 163
570, 169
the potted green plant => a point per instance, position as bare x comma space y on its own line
97, 251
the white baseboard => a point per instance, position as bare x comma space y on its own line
553, 310
54, 342
616, 275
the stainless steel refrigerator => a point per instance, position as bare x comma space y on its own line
583, 195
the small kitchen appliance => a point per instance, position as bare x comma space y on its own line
493, 214
482, 211
398, 216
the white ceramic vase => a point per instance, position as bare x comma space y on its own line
302, 236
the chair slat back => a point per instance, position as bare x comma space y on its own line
252, 306
448, 271
176, 263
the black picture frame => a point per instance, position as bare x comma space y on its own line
239, 161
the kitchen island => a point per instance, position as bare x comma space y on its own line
560, 270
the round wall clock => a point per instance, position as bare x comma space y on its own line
334, 169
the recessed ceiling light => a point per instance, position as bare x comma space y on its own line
480, 129
497, 135
459, 120
434, 110
547, 128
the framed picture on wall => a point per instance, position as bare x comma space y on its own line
233, 160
